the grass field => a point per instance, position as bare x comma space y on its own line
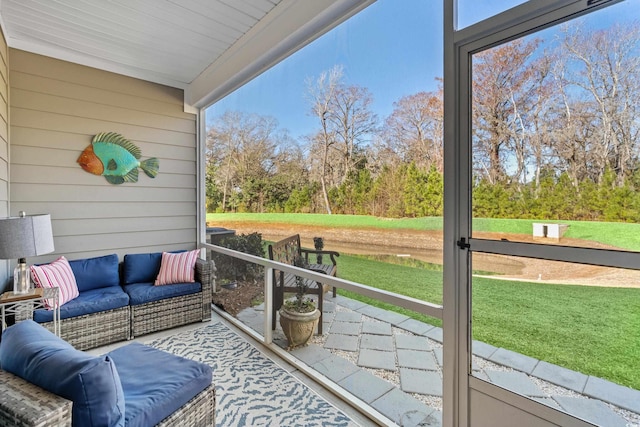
621, 235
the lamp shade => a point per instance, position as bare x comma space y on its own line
27, 236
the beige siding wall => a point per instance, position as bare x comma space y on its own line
56, 109
5, 266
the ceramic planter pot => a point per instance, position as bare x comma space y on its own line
298, 327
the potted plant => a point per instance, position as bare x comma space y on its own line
299, 316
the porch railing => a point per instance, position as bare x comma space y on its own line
416, 305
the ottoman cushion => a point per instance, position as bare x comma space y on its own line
156, 383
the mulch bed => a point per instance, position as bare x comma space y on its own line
235, 300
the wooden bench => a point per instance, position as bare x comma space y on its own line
287, 251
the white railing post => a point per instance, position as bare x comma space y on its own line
268, 305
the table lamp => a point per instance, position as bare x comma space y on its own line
22, 237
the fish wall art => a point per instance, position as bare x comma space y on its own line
116, 158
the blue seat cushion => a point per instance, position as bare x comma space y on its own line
92, 301
156, 383
92, 383
141, 293
94, 273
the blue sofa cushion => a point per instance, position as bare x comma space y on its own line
141, 268
156, 383
92, 383
141, 293
94, 273
91, 301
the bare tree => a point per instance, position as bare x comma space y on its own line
321, 93
345, 122
354, 123
505, 80
241, 147
414, 130
605, 64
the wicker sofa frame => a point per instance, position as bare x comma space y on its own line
171, 312
26, 405
106, 327
95, 329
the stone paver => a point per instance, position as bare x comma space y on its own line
564, 377
415, 326
377, 342
345, 328
515, 381
437, 352
422, 382
335, 368
416, 359
328, 306
348, 316
349, 303
311, 354
412, 343
435, 334
482, 349
371, 311
609, 392
376, 328
365, 385
402, 408
393, 318
514, 360
591, 410
383, 315
376, 359
342, 342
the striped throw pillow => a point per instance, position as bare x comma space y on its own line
57, 274
177, 268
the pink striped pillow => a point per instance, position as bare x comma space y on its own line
59, 275
177, 268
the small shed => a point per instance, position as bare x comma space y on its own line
549, 230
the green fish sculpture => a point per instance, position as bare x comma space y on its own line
116, 158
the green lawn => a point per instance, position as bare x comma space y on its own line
593, 330
621, 235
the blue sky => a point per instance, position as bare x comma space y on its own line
393, 48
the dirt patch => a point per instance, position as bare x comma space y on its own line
426, 245
235, 300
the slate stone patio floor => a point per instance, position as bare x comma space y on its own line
364, 346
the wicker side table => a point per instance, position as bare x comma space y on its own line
22, 306
25, 404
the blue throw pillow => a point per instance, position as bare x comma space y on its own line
94, 273
92, 383
141, 268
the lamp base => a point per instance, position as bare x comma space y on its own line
21, 278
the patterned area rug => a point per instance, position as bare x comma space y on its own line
251, 390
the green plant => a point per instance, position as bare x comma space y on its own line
232, 269
299, 303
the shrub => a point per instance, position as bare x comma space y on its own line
230, 269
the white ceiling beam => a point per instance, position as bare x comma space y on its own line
291, 25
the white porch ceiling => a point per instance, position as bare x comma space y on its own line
206, 47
